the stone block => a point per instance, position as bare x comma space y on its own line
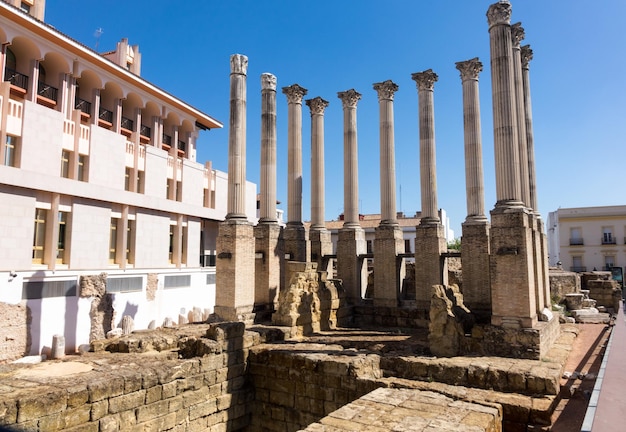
169, 390
148, 412
110, 423
159, 424
203, 409
112, 386
99, 409
77, 416
34, 406
154, 394
127, 401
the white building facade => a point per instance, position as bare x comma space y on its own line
98, 174
587, 238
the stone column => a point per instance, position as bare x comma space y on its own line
389, 272
234, 298
296, 248
237, 138
319, 236
268, 149
541, 242
526, 57
512, 269
430, 239
506, 150
475, 250
268, 241
351, 238
428, 177
517, 35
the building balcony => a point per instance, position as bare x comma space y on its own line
16, 79
83, 106
608, 241
105, 117
578, 269
48, 93
576, 242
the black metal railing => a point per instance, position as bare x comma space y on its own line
127, 124
145, 131
576, 242
578, 269
47, 91
82, 105
105, 115
182, 146
607, 268
608, 241
15, 78
167, 140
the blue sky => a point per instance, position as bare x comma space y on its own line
577, 76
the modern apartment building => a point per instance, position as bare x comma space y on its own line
587, 238
98, 174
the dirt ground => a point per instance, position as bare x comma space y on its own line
585, 358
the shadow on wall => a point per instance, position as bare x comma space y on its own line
130, 309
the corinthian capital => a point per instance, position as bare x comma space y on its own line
386, 89
294, 93
349, 98
425, 80
238, 64
517, 34
268, 82
527, 56
499, 13
470, 69
317, 105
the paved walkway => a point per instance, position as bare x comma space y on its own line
607, 406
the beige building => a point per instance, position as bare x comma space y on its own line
587, 238
98, 174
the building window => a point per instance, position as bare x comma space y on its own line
171, 254
576, 237
25, 7
179, 191
10, 151
127, 179
113, 241
577, 264
370, 246
39, 237
607, 235
407, 246
609, 262
82, 167
61, 245
140, 181
65, 164
130, 242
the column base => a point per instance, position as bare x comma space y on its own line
268, 256
351, 268
295, 242
389, 271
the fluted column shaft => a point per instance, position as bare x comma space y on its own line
527, 55
506, 150
349, 100
237, 138
268, 149
294, 93
428, 177
386, 92
517, 35
473, 142
317, 106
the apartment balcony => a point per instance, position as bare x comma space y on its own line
130, 156
608, 241
46, 94
18, 80
145, 133
105, 118
15, 116
84, 107
578, 269
576, 242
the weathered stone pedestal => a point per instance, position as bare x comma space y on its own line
513, 298
389, 272
234, 296
268, 256
351, 268
321, 246
475, 258
295, 242
430, 243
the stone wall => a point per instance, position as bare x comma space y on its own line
563, 283
606, 292
14, 325
150, 388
